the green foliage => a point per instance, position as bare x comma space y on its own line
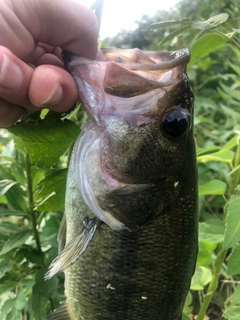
34, 155
33, 174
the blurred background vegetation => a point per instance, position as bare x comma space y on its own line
33, 169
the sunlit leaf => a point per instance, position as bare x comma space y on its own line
223, 155
234, 262
232, 225
205, 45
212, 22
232, 313
169, 23
201, 278
231, 143
211, 230
215, 187
208, 150
205, 256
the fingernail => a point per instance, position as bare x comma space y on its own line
55, 95
11, 75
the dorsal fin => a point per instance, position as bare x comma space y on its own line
74, 249
61, 313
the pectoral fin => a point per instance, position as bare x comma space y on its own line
62, 235
61, 313
74, 248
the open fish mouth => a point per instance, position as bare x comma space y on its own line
136, 101
125, 74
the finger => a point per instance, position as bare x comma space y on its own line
9, 113
15, 76
63, 23
53, 88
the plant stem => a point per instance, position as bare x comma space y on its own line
31, 203
213, 284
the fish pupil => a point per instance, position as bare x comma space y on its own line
175, 123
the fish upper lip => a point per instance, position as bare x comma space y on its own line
175, 58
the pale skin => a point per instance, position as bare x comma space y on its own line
33, 34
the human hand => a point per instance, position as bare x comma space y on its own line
33, 34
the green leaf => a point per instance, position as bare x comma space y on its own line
46, 140
5, 185
205, 253
208, 150
213, 187
9, 212
232, 313
42, 291
236, 296
56, 184
234, 262
14, 314
5, 266
172, 35
232, 224
20, 301
212, 22
201, 278
205, 45
8, 285
8, 227
211, 230
169, 23
16, 240
223, 155
7, 307
231, 143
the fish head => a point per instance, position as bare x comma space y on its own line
133, 148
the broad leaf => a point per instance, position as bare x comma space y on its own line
54, 185
232, 313
234, 262
201, 278
205, 45
213, 187
212, 22
232, 225
211, 230
16, 240
46, 140
169, 23
5, 185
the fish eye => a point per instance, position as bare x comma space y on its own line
175, 123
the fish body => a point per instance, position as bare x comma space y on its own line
130, 246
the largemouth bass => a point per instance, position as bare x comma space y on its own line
128, 241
